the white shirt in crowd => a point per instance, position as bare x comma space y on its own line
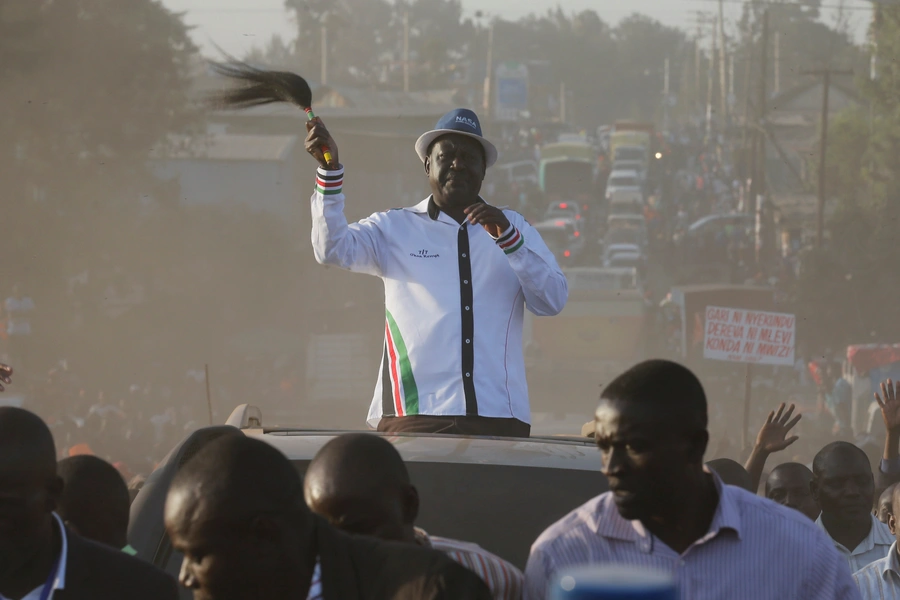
880, 580
454, 300
874, 547
754, 550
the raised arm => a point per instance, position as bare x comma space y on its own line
335, 242
772, 437
889, 403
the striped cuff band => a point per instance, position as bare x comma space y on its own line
329, 183
511, 240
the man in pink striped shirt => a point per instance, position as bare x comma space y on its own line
359, 483
665, 510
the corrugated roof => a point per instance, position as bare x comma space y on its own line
220, 146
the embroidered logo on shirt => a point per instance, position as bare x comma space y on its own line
423, 254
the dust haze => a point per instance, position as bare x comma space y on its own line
150, 238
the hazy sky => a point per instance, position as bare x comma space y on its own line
238, 25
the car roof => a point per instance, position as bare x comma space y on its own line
551, 452
548, 453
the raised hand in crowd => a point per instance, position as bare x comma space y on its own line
889, 403
772, 437
5, 375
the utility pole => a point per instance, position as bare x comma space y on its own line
666, 96
562, 101
758, 186
406, 52
489, 73
776, 88
324, 30
723, 79
697, 56
710, 83
825, 74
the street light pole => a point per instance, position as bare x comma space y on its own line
488, 73
324, 74
406, 52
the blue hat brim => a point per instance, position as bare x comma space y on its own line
490, 151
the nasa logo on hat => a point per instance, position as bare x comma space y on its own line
467, 121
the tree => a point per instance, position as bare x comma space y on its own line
358, 35
88, 88
846, 288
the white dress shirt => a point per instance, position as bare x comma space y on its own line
754, 550
880, 580
454, 299
59, 582
874, 547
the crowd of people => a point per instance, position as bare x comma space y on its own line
249, 526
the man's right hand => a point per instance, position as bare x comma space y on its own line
890, 405
317, 140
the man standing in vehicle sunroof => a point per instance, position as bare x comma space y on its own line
458, 274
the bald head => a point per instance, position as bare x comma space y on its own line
235, 477
884, 507
358, 481
236, 513
789, 485
95, 500
732, 473
29, 487
840, 453
26, 441
843, 484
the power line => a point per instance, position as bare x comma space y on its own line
775, 3
869, 6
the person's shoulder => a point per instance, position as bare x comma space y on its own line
422, 571
772, 520
873, 569
100, 567
573, 526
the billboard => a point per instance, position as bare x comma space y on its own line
511, 91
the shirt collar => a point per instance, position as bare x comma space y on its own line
422, 537
60, 582
608, 523
892, 562
879, 535
428, 207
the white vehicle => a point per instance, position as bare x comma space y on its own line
624, 187
523, 172
636, 221
631, 165
614, 249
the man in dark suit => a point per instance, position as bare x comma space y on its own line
39, 557
236, 512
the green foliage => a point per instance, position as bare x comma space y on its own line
848, 289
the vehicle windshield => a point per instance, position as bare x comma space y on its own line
623, 182
629, 154
569, 178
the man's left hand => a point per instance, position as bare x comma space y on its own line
490, 217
